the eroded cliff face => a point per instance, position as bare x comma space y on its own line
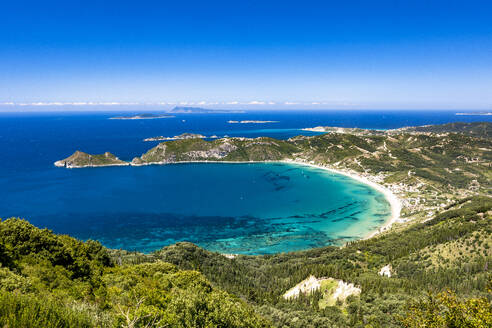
218, 152
227, 149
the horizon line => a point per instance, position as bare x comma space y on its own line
221, 105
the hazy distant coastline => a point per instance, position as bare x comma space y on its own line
475, 114
200, 110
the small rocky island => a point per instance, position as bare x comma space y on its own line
354, 131
179, 137
251, 122
145, 116
81, 159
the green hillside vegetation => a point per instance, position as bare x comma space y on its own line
262, 280
446, 310
475, 129
49, 280
231, 149
453, 160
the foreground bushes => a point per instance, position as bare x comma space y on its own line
17, 310
49, 280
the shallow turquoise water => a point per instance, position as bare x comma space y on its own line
232, 208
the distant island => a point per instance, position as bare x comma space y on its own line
145, 116
332, 129
474, 114
477, 129
199, 110
251, 122
181, 137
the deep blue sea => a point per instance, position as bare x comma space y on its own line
231, 208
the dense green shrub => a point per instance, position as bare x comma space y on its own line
49, 280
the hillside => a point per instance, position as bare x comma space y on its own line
49, 280
418, 266
475, 129
226, 149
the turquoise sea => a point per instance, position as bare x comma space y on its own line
232, 208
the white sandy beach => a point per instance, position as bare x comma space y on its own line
392, 199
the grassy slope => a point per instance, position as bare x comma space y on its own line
441, 160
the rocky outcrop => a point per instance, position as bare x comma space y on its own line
333, 289
385, 271
307, 286
344, 290
81, 159
218, 152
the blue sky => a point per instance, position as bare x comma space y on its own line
275, 54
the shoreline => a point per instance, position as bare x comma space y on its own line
391, 198
394, 202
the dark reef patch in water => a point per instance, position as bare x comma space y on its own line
235, 208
